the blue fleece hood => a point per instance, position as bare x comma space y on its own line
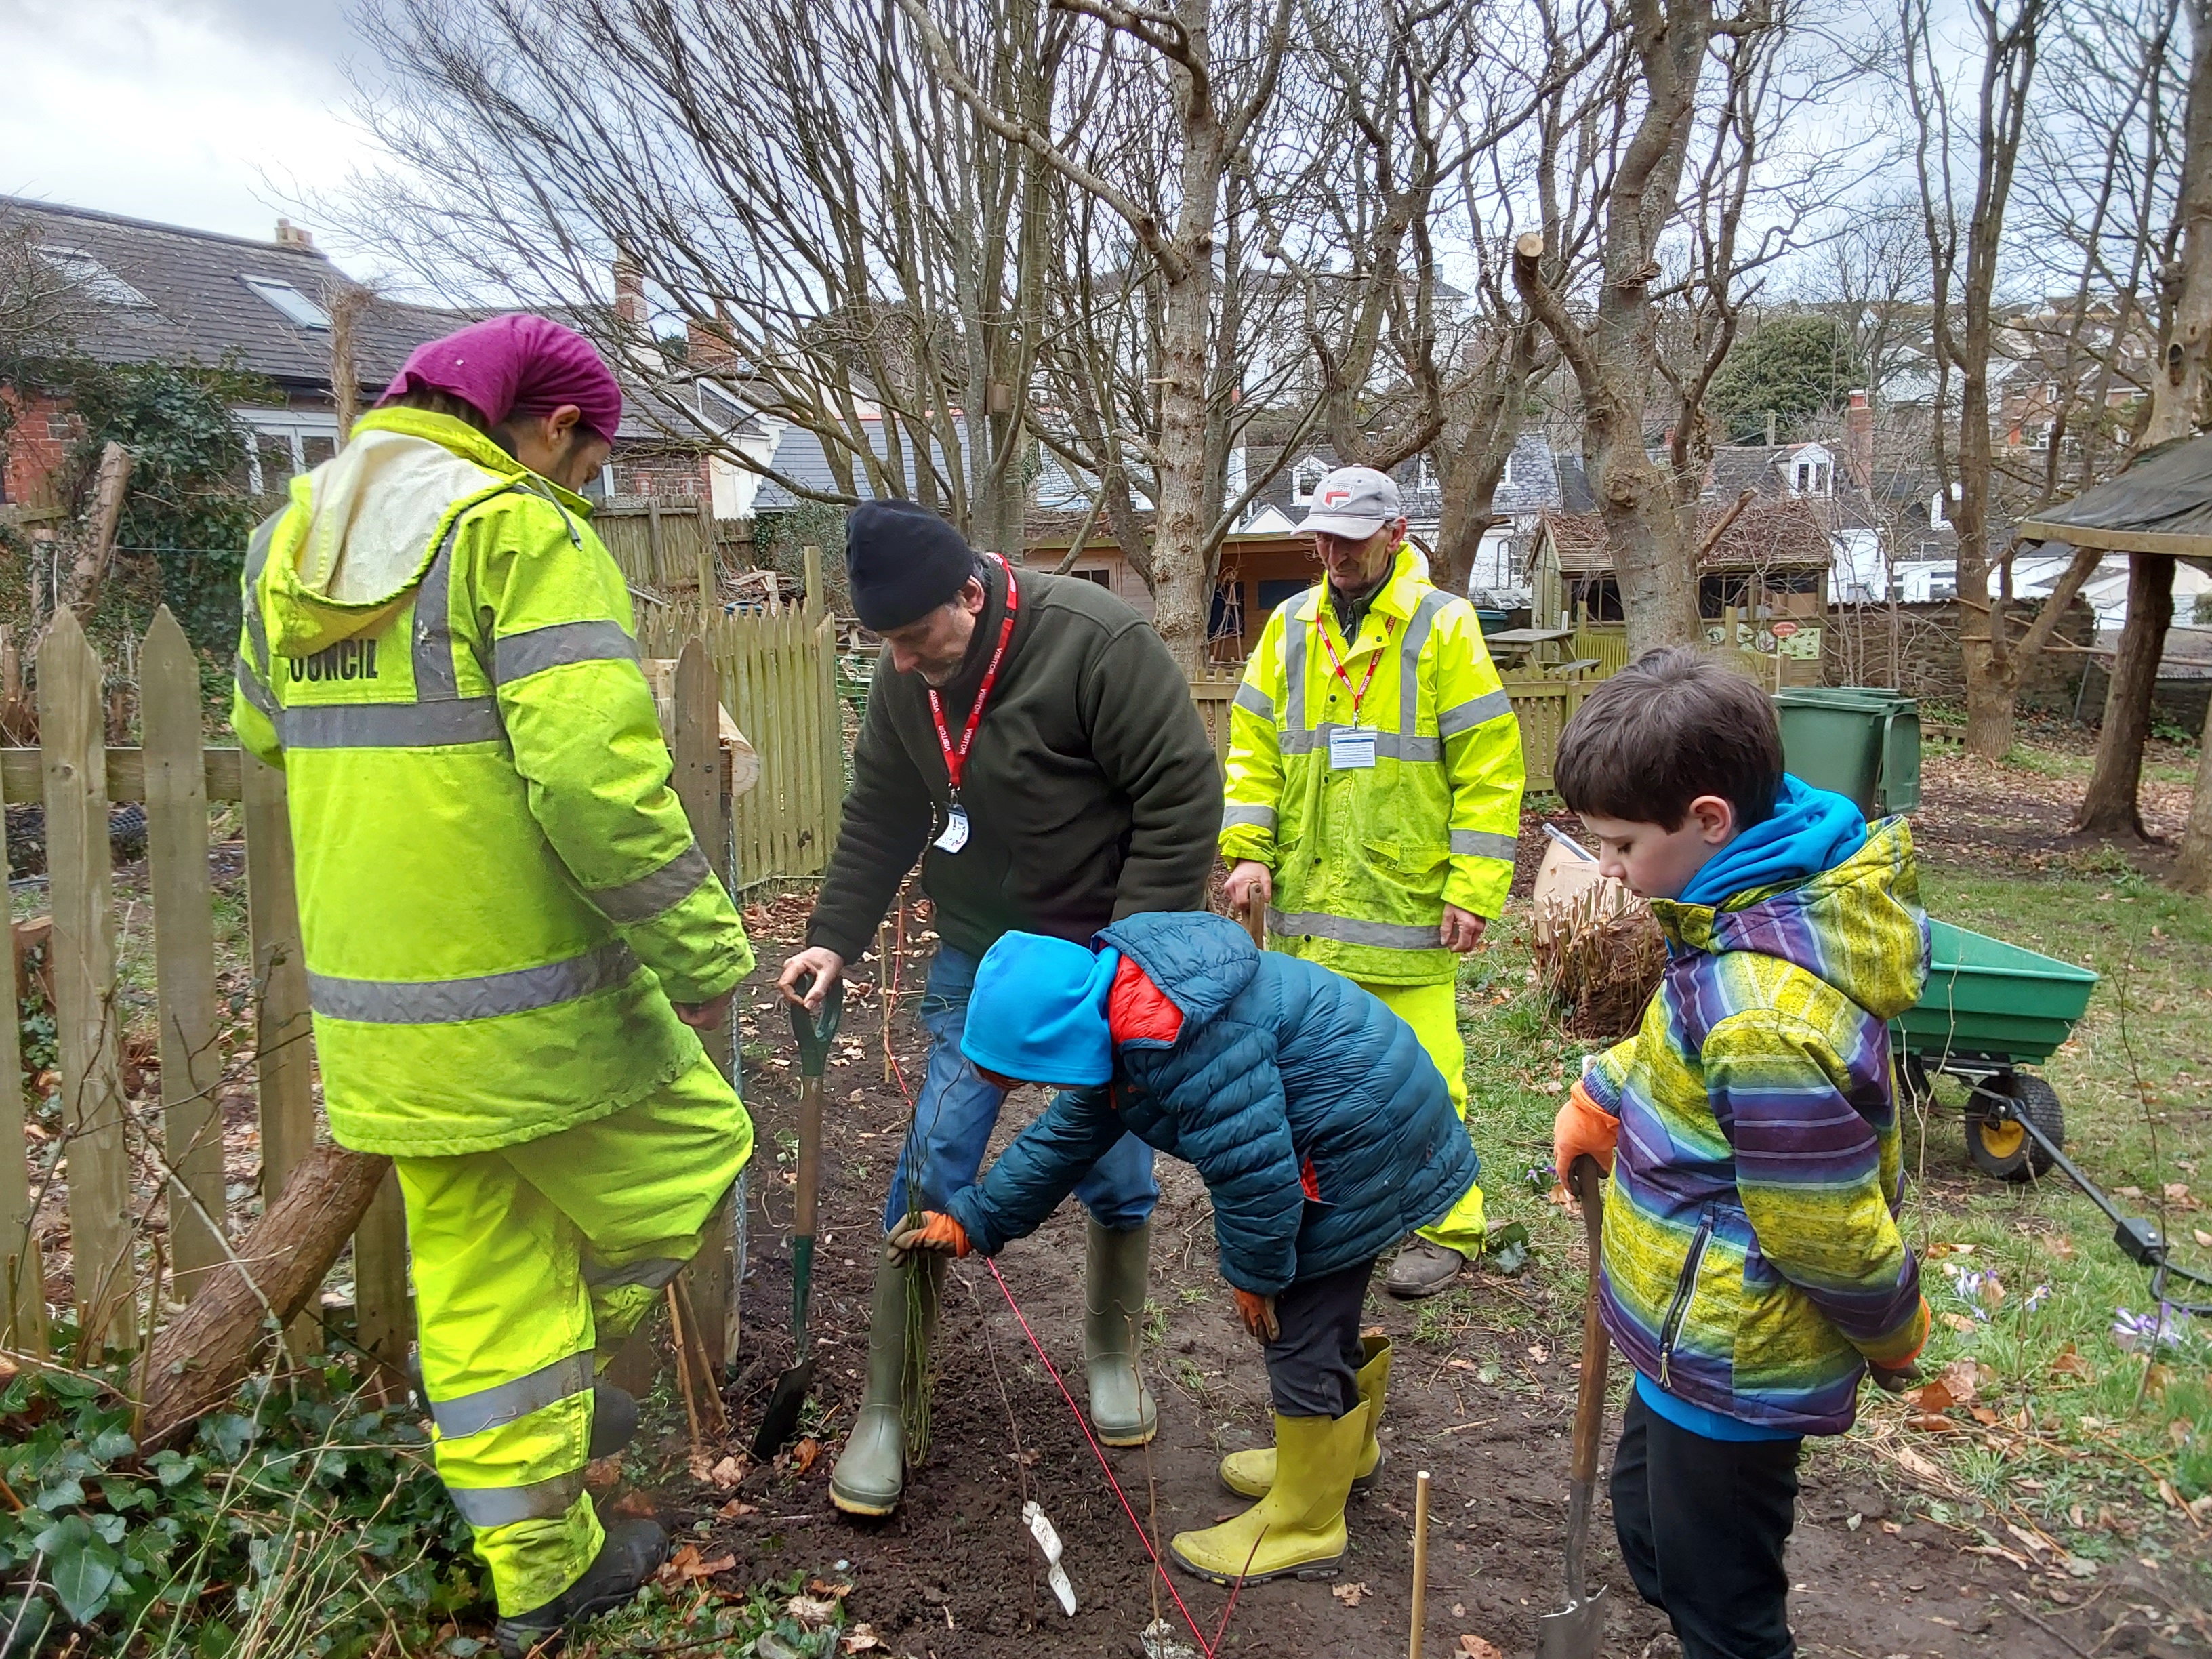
1811, 831
1038, 1011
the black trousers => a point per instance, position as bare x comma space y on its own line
1312, 1362
1701, 1524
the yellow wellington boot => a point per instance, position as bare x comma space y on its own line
1297, 1530
1249, 1473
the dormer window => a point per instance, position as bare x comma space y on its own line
91, 278
294, 305
1305, 478
1810, 478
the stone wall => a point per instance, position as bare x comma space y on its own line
1915, 647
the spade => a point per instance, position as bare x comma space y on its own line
1573, 1632
781, 1421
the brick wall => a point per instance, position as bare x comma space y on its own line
37, 445
666, 476
1920, 655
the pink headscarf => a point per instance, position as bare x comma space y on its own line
516, 364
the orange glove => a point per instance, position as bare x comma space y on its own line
1583, 1129
939, 1233
1258, 1313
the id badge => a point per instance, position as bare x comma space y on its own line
955, 828
1352, 750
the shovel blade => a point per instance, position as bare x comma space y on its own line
1572, 1633
781, 1421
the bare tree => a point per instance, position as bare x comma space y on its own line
1215, 97
1964, 227
1664, 176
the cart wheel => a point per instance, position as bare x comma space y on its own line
2001, 1148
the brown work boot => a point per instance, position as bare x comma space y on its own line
1422, 1269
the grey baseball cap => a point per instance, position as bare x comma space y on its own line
1354, 501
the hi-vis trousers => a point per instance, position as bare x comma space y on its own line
532, 1264
1433, 1012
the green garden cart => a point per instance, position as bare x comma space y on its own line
1989, 1009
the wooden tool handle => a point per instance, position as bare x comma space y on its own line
810, 1154
1590, 1401
1255, 920
1420, 1563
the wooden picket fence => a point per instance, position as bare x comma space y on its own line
777, 670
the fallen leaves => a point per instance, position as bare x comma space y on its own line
1351, 1594
1959, 1323
2070, 1363
727, 1472
687, 1565
1474, 1647
806, 1453
736, 1508
813, 1612
862, 1639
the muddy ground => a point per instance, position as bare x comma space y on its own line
1485, 1403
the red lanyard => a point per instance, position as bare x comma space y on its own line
955, 759
1321, 626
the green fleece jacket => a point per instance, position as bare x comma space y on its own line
1091, 791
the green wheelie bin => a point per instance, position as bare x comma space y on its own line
1863, 742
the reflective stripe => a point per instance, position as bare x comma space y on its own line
518, 656
653, 1273
1483, 844
502, 1506
1389, 745
1382, 935
1294, 669
391, 724
434, 677
254, 688
648, 895
1253, 701
508, 1402
257, 561
1476, 711
1237, 815
1417, 628
486, 996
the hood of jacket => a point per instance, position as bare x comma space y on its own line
1858, 925
1201, 962
365, 524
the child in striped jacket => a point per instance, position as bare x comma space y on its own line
1752, 1271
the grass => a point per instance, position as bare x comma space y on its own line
2093, 1442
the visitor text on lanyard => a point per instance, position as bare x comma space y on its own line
1352, 749
955, 836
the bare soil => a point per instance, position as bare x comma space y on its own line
954, 1571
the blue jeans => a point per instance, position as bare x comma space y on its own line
958, 1111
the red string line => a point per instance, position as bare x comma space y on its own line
1052, 1371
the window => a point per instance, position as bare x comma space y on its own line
1305, 478
1104, 578
90, 277
1505, 477
289, 302
1811, 478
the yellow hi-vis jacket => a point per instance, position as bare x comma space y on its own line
1364, 860
499, 893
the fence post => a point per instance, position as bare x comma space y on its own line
23, 1277
833, 735
384, 1322
697, 755
282, 1061
184, 947
73, 743
814, 596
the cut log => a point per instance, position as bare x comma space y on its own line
207, 1350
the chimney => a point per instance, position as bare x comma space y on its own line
1858, 440
291, 236
630, 291
708, 344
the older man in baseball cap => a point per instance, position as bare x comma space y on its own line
1373, 797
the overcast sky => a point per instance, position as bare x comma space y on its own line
198, 113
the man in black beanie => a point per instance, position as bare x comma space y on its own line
1031, 740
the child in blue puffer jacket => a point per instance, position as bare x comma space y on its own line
1323, 1132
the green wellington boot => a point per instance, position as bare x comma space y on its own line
870, 1471
1249, 1473
1114, 1271
1297, 1530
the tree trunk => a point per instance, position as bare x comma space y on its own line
2108, 806
1990, 710
206, 1351
2192, 872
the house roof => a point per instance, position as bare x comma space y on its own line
801, 457
156, 293
2161, 504
1765, 535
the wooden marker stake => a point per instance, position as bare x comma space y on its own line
1421, 1560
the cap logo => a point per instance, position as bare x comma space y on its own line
1335, 497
